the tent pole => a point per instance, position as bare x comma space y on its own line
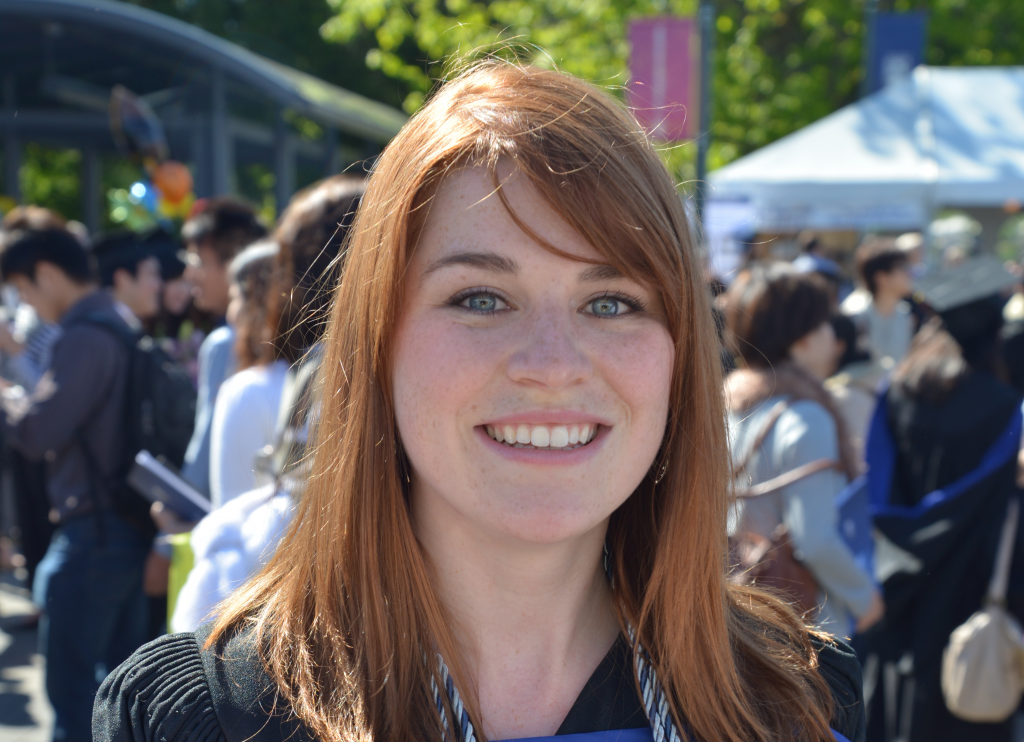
867, 82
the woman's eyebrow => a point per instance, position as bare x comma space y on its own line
599, 273
485, 260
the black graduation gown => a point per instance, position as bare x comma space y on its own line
172, 689
936, 568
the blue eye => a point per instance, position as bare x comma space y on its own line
606, 306
483, 302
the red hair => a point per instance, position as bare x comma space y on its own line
347, 607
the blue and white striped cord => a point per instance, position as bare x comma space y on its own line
467, 734
655, 702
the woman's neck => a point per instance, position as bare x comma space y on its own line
533, 620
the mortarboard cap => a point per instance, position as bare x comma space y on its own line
969, 297
964, 283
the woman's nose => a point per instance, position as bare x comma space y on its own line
549, 354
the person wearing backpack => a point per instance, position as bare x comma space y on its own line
89, 584
131, 273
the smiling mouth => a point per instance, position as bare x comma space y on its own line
547, 437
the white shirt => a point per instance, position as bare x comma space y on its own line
244, 420
229, 546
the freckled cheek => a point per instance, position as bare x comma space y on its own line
439, 371
639, 367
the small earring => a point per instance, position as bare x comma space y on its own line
661, 473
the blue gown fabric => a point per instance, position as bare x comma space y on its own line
617, 735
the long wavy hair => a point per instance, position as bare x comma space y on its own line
347, 610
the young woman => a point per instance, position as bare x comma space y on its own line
515, 524
782, 418
245, 414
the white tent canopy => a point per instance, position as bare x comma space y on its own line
943, 137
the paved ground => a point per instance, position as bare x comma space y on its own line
25, 715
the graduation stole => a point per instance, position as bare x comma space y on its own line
662, 726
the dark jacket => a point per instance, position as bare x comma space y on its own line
79, 401
935, 565
172, 689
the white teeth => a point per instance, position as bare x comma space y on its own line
559, 437
543, 436
540, 437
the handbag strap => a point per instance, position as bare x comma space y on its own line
1001, 574
773, 417
786, 478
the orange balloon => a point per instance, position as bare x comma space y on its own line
174, 181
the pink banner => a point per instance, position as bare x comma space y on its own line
663, 90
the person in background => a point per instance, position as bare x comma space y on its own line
213, 237
946, 410
131, 273
246, 411
27, 343
812, 259
778, 322
884, 320
89, 584
234, 541
854, 382
180, 327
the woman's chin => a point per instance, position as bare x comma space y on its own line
546, 524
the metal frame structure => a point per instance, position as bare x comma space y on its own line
222, 106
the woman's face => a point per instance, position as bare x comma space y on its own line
177, 295
569, 363
817, 352
235, 304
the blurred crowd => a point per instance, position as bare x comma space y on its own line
199, 347
880, 396
881, 364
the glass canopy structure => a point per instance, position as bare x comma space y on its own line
222, 106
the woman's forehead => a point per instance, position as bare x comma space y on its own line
467, 213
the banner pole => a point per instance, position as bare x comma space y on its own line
706, 21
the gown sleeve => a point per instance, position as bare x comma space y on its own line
160, 693
840, 669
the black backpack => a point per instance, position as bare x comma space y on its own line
160, 412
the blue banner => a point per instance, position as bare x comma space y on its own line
897, 46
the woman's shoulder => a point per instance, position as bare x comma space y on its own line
174, 688
251, 385
839, 667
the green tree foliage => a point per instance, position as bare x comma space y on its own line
779, 65
50, 177
288, 32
